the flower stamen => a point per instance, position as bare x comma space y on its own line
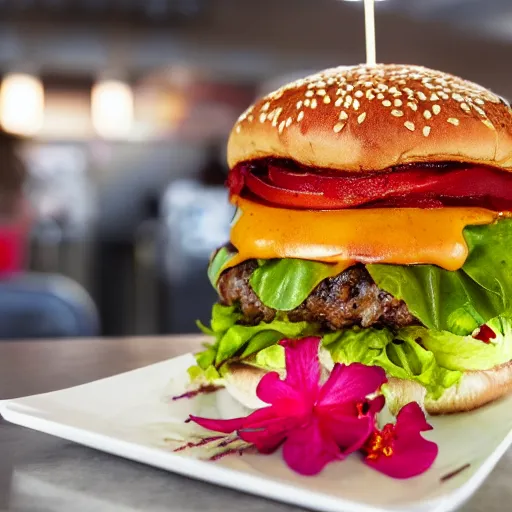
380, 443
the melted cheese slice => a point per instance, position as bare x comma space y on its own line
402, 236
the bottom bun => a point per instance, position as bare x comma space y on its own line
475, 389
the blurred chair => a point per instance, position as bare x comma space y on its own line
45, 306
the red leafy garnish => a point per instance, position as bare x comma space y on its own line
399, 450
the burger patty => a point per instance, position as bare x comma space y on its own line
350, 298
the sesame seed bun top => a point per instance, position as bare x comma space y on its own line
366, 118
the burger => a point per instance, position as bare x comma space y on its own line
372, 211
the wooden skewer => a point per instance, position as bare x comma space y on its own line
369, 23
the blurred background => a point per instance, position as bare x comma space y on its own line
114, 118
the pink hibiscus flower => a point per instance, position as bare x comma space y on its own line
315, 424
319, 423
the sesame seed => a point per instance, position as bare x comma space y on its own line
479, 101
479, 110
314, 103
421, 95
359, 94
370, 95
434, 97
340, 92
338, 127
465, 107
250, 118
427, 114
453, 120
343, 116
288, 122
397, 113
300, 117
436, 109
276, 116
356, 104
361, 117
309, 94
426, 131
299, 105
368, 84
380, 96
428, 85
327, 100
281, 126
382, 87
386, 103
265, 107
338, 102
307, 102
238, 129
457, 97
409, 125
398, 103
348, 100
488, 124
412, 105
321, 92
350, 87
263, 118
393, 90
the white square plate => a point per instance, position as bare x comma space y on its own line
131, 415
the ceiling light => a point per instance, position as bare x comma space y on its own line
112, 109
21, 104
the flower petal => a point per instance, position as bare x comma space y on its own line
287, 400
226, 426
303, 366
411, 417
349, 432
309, 449
411, 456
376, 405
352, 383
268, 435
411, 453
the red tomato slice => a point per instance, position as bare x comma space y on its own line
414, 187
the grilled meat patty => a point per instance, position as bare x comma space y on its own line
350, 298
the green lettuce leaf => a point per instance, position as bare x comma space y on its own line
434, 358
284, 284
404, 359
233, 339
271, 358
464, 353
462, 300
490, 259
440, 299
222, 256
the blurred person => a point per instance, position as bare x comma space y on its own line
196, 215
14, 217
